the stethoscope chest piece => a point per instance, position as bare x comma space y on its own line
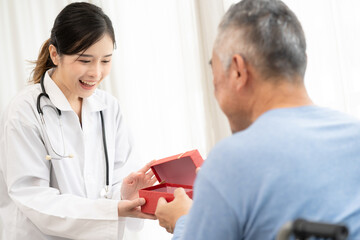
105, 192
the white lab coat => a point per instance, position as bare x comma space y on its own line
60, 199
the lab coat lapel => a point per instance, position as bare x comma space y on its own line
94, 159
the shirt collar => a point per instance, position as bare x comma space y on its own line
93, 103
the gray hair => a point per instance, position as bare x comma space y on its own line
267, 34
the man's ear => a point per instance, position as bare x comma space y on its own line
54, 55
239, 71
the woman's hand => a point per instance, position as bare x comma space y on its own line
127, 208
136, 181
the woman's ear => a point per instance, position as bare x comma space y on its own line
54, 55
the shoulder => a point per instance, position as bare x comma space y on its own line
278, 134
21, 113
27, 94
304, 116
280, 126
23, 105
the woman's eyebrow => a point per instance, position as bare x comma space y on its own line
88, 55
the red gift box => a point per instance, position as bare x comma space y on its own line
171, 172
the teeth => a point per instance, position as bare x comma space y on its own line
88, 83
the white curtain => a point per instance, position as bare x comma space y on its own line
160, 69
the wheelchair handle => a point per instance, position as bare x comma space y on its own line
303, 229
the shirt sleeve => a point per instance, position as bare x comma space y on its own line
27, 175
179, 227
211, 217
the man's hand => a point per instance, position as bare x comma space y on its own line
136, 181
127, 208
169, 213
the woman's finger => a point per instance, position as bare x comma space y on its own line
152, 181
149, 175
147, 166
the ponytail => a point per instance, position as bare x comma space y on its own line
43, 63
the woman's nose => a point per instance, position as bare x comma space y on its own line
95, 71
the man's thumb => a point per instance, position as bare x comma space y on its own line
179, 192
161, 201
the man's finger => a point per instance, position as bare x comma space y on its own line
179, 192
161, 201
169, 229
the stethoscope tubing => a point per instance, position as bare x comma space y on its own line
105, 148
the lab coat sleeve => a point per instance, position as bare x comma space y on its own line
27, 175
210, 217
125, 162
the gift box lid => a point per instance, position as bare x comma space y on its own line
178, 169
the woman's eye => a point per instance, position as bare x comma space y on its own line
106, 61
84, 61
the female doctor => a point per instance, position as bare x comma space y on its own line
64, 145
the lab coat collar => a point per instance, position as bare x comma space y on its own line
93, 103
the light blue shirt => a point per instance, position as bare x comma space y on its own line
292, 162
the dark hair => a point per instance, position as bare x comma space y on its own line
78, 26
271, 35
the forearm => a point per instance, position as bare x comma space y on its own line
68, 215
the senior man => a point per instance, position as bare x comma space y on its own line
287, 158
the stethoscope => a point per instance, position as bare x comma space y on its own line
105, 190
